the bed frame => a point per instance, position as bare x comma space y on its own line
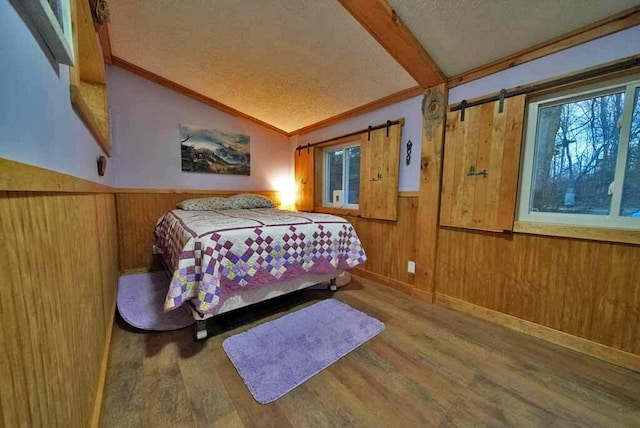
248, 297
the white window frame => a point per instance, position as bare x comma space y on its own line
613, 220
345, 166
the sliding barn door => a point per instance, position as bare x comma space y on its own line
481, 163
304, 171
379, 172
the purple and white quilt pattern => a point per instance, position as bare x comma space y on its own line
213, 253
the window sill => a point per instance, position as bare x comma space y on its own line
337, 211
624, 236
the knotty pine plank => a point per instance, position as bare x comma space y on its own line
584, 288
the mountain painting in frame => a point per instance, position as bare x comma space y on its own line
213, 151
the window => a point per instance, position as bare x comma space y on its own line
582, 158
342, 176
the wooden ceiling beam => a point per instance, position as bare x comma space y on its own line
105, 42
125, 65
618, 22
384, 24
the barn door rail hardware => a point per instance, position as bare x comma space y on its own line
617, 66
387, 125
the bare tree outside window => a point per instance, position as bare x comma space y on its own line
353, 175
335, 161
631, 190
575, 158
342, 172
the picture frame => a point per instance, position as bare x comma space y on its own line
51, 19
206, 150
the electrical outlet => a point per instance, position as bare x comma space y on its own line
411, 266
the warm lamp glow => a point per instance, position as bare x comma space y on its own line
287, 193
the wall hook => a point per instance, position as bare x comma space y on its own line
473, 173
377, 178
409, 146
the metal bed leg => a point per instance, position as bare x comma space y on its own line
332, 285
201, 330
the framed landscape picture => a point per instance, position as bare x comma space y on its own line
51, 20
213, 151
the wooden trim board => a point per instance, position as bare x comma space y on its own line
189, 191
629, 71
618, 22
126, 65
578, 232
393, 283
588, 347
97, 406
17, 176
384, 24
373, 105
105, 42
428, 215
337, 211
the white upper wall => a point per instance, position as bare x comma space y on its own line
145, 131
609, 48
612, 47
37, 123
464, 34
410, 110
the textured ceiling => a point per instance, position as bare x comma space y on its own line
464, 34
289, 63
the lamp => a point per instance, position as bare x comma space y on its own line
287, 194
287, 197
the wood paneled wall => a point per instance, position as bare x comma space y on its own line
58, 279
584, 288
389, 246
138, 212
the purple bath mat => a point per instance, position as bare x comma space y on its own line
275, 357
141, 303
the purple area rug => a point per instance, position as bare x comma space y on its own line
141, 303
275, 357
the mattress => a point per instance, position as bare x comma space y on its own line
215, 254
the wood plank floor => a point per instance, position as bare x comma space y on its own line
432, 366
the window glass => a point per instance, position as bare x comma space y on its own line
631, 190
334, 173
575, 155
353, 175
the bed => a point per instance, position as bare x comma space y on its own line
226, 259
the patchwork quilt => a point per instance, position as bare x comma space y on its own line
214, 253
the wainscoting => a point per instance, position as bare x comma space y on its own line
390, 245
138, 212
587, 289
58, 280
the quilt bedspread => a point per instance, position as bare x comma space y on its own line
213, 253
